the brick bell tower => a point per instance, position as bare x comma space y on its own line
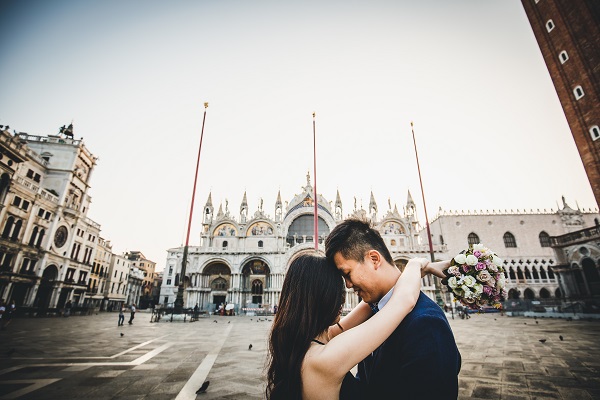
568, 33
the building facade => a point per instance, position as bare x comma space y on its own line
148, 268
521, 238
48, 242
243, 260
568, 34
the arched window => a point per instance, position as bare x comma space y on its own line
543, 273
473, 238
511, 274
544, 239
8, 227
4, 186
219, 284
563, 57
260, 243
225, 243
441, 239
528, 294
544, 293
578, 91
527, 273
595, 132
257, 287
519, 274
393, 242
33, 236
536, 276
509, 240
17, 230
550, 273
40, 238
550, 25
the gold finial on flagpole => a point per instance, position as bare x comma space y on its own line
205, 105
314, 114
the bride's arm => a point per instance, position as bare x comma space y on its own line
357, 316
347, 349
362, 311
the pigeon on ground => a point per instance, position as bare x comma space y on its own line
561, 338
229, 322
122, 334
542, 340
215, 321
203, 388
524, 323
537, 322
250, 347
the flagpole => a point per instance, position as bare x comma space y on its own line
437, 290
316, 199
179, 298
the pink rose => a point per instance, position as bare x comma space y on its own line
480, 266
487, 290
466, 268
477, 253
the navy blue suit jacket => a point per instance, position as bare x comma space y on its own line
419, 360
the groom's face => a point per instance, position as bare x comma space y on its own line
360, 276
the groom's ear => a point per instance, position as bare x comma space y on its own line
375, 258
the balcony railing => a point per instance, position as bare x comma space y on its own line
568, 239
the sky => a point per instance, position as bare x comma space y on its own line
133, 75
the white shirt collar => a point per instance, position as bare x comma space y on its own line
385, 299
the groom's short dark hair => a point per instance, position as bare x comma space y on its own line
352, 238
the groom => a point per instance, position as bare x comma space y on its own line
420, 359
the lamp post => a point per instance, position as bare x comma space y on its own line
438, 296
181, 288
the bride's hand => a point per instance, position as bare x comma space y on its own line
436, 268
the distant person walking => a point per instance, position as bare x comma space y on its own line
132, 314
8, 314
68, 307
121, 316
2, 311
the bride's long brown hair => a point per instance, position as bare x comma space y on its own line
311, 297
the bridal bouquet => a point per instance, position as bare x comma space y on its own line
476, 278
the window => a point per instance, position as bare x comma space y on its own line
224, 243
260, 243
578, 91
595, 132
37, 178
168, 281
30, 173
544, 239
509, 240
473, 238
549, 25
25, 205
563, 57
17, 201
41, 212
47, 215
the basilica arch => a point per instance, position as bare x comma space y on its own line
255, 282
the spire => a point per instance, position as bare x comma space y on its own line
338, 207
278, 207
409, 200
338, 200
278, 202
244, 209
244, 202
372, 203
209, 201
220, 212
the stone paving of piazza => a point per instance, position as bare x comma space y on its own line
85, 357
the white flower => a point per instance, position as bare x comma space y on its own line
479, 247
469, 281
452, 283
492, 267
460, 259
497, 261
454, 270
500, 283
478, 288
467, 292
471, 259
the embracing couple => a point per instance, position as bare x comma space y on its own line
400, 339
